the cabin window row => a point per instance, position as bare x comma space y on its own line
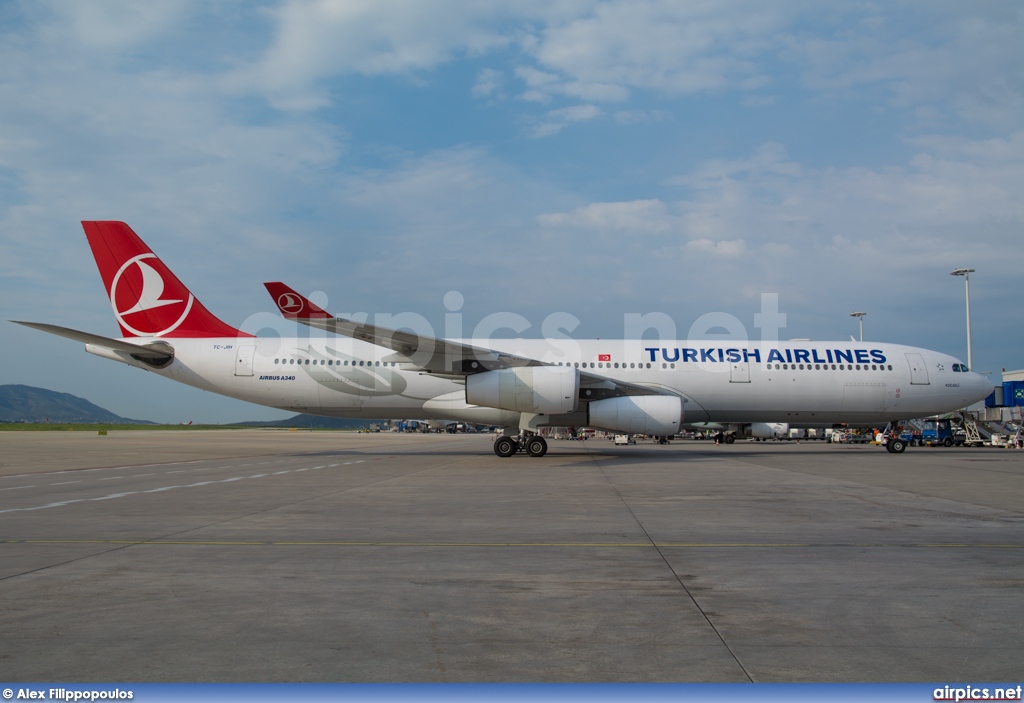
603, 365
834, 367
332, 362
794, 367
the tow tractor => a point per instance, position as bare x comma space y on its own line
936, 432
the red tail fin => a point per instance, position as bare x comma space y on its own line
294, 306
148, 300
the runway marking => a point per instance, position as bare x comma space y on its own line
64, 483
140, 475
110, 478
161, 489
108, 468
574, 545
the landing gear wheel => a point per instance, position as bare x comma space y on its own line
897, 446
505, 446
730, 438
662, 440
536, 446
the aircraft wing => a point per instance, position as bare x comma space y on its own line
431, 354
136, 350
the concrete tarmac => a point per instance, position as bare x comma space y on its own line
263, 555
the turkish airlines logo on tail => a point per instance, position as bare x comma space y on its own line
147, 300
290, 303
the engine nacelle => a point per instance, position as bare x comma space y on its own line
657, 415
547, 390
767, 430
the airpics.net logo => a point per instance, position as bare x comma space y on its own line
557, 328
978, 693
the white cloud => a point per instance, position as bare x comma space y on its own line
85, 138
488, 81
668, 47
734, 247
641, 117
317, 39
556, 120
776, 224
119, 24
636, 217
769, 158
959, 59
929, 60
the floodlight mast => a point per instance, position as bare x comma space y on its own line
860, 316
967, 286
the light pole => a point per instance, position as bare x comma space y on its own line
860, 315
967, 284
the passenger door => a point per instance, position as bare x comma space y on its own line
243, 359
918, 371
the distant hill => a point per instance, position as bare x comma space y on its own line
314, 422
30, 404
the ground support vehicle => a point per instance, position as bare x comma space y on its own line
940, 432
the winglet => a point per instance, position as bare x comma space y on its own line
294, 306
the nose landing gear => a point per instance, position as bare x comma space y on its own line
895, 446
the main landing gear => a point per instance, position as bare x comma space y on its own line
507, 445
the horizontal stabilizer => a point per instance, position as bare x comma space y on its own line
135, 350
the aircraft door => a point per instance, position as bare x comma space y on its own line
244, 358
918, 371
739, 372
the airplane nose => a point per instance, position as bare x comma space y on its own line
981, 384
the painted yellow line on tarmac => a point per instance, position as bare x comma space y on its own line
588, 545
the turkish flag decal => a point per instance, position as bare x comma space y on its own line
604, 357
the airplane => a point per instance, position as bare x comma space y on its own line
354, 369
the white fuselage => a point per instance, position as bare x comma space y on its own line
806, 383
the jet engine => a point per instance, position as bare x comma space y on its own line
545, 390
657, 415
767, 430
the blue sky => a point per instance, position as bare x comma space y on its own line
596, 158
